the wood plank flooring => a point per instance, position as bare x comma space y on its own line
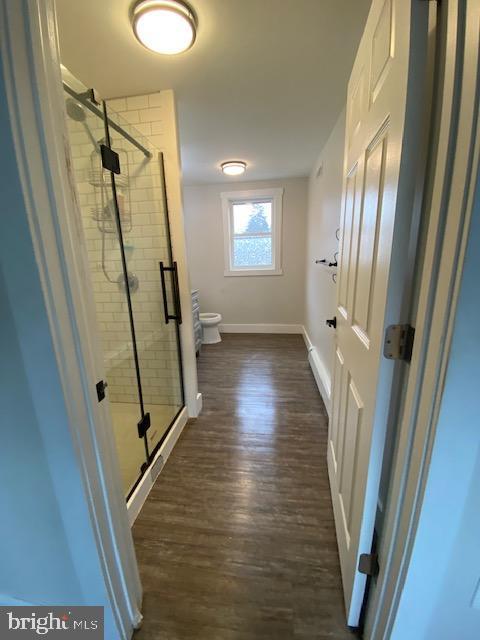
236, 540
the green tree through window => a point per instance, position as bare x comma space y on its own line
258, 222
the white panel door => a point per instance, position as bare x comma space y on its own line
374, 234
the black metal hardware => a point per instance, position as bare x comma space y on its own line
170, 255
86, 100
327, 263
368, 564
164, 292
175, 291
127, 289
143, 425
398, 343
91, 95
100, 387
110, 159
332, 322
176, 288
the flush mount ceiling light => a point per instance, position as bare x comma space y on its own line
233, 167
164, 26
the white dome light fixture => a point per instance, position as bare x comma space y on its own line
233, 167
164, 26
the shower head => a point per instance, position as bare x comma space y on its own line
75, 110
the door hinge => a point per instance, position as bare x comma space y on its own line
144, 425
100, 387
368, 564
110, 159
398, 343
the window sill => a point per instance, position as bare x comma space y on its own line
253, 272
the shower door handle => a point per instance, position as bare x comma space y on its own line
176, 293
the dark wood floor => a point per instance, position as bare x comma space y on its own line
236, 540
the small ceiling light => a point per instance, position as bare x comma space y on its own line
164, 26
233, 167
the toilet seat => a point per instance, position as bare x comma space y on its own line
210, 318
210, 322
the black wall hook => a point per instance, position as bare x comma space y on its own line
332, 322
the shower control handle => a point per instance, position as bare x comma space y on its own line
175, 291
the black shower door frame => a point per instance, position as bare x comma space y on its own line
110, 161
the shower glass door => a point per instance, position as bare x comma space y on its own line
143, 209
126, 234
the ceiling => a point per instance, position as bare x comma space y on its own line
264, 82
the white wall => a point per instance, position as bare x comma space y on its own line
36, 561
249, 299
441, 596
323, 219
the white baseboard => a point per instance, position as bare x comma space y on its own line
138, 497
261, 328
320, 373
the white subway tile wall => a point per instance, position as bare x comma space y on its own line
145, 241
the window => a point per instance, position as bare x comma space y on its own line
252, 226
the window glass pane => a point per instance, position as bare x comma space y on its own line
252, 217
252, 252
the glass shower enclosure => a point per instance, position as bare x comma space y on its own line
121, 189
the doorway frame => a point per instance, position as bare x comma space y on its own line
450, 189
31, 64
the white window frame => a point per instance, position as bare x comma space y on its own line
253, 195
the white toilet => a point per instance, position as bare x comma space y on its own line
210, 322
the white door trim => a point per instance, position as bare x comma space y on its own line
31, 65
450, 190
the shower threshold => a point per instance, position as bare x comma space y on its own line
124, 415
